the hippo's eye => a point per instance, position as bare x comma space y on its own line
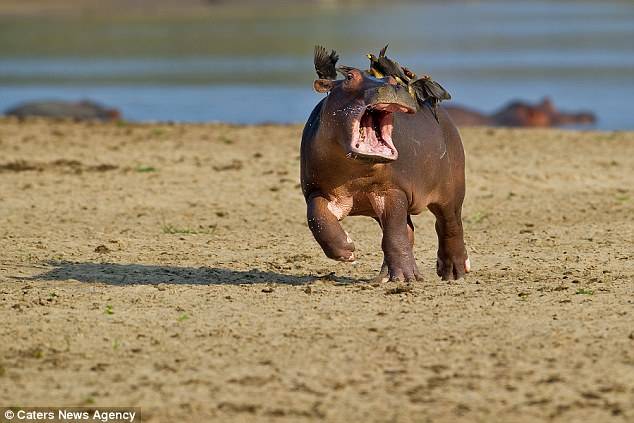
350, 76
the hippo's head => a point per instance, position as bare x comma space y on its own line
112, 115
543, 114
565, 118
99, 111
519, 113
358, 113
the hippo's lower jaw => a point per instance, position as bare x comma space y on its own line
371, 138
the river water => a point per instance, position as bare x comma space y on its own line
257, 67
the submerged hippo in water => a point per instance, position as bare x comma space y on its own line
370, 149
82, 110
520, 114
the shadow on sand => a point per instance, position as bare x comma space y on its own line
139, 274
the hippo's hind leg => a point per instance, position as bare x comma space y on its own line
398, 237
452, 262
328, 231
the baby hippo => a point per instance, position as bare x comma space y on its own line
370, 149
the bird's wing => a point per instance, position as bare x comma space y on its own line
391, 67
383, 50
438, 91
325, 63
430, 88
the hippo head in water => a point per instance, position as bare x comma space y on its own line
358, 113
543, 114
101, 112
559, 118
519, 113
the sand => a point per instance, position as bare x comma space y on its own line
169, 267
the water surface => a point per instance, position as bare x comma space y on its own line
249, 68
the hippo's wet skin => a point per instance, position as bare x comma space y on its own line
368, 149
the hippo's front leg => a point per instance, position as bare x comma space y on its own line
384, 274
398, 236
328, 231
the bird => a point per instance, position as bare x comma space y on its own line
424, 89
383, 66
325, 63
429, 91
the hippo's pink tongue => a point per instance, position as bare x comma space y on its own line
375, 134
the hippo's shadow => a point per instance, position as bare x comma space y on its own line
141, 274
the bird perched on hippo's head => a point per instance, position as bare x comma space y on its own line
424, 89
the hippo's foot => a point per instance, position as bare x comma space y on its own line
383, 275
343, 253
345, 256
452, 267
407, 273
343, 250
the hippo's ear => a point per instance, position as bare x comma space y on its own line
323, 85
547, 104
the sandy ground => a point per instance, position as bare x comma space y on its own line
169, 267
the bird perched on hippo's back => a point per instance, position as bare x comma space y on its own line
428, 90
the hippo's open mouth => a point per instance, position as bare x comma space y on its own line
372, 133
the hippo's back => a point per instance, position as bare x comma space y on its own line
84, 110
430, 154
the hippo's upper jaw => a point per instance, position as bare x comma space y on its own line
371, 138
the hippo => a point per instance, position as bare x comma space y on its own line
82, 110
369, 149
520, 114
